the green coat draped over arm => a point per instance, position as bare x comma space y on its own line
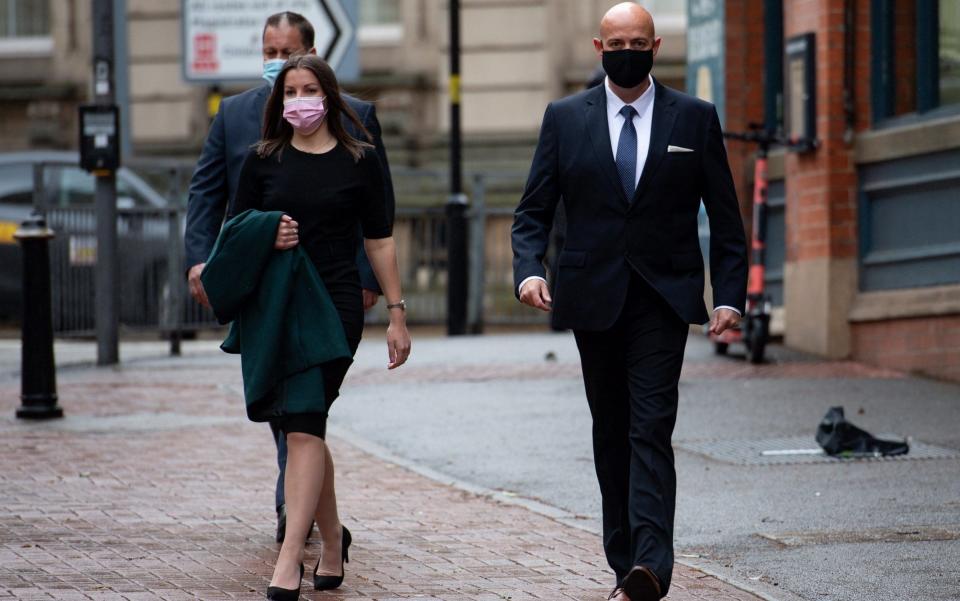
284, 324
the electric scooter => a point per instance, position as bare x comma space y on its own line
754, 330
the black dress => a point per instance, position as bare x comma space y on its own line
333, 198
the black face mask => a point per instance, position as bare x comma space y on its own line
628, 68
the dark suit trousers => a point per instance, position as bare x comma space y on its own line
631, 373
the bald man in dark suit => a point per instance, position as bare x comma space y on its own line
632, 160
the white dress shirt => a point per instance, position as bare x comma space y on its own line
642, 120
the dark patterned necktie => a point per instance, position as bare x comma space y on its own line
627, 152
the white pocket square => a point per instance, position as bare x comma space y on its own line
672, 148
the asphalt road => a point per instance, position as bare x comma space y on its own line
508, 413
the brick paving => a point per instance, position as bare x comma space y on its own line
155, 487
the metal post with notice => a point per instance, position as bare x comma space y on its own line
99, 145
457, 202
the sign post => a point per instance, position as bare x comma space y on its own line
222, 38
100, 153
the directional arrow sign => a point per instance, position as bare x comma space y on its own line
222, 39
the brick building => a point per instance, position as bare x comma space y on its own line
864, 230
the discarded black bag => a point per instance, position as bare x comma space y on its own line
840, 438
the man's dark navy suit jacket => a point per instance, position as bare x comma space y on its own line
235, 129
653, 234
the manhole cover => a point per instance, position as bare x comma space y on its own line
797, 450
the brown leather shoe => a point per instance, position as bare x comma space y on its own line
641, 584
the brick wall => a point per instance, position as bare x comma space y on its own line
744, 89
822, 186
929, 345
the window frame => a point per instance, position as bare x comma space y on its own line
18, 45
883, 66
381, 33
773, 65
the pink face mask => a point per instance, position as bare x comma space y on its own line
305, 113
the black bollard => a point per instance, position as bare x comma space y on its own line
38, 377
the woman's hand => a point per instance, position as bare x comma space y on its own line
287, 236
398, 339
382, 253
370, 298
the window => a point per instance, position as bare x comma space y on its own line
381, 22
949, 52
916, 56
75, 187
25, 28
24, 18
909, 222
379, 12
16, 184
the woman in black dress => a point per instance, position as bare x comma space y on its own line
329, 186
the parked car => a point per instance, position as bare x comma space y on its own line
68, 199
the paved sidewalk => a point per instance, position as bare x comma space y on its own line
155, 487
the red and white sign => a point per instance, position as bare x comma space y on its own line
205, 53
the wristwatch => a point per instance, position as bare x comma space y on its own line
400, 304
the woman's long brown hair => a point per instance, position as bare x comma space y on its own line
277, 132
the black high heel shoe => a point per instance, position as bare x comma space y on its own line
275, 593
325, 583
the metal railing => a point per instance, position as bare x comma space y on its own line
150, 226
153, 289
420, 234
153, 293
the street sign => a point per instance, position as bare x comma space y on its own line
222, 39
705, 52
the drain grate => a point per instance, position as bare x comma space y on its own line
797, 450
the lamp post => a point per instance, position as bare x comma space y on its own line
457, 201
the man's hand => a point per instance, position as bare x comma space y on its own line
196, 286
723, 320
536, 294
370, 298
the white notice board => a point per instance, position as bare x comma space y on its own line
222, 38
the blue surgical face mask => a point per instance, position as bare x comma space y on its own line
272, 68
